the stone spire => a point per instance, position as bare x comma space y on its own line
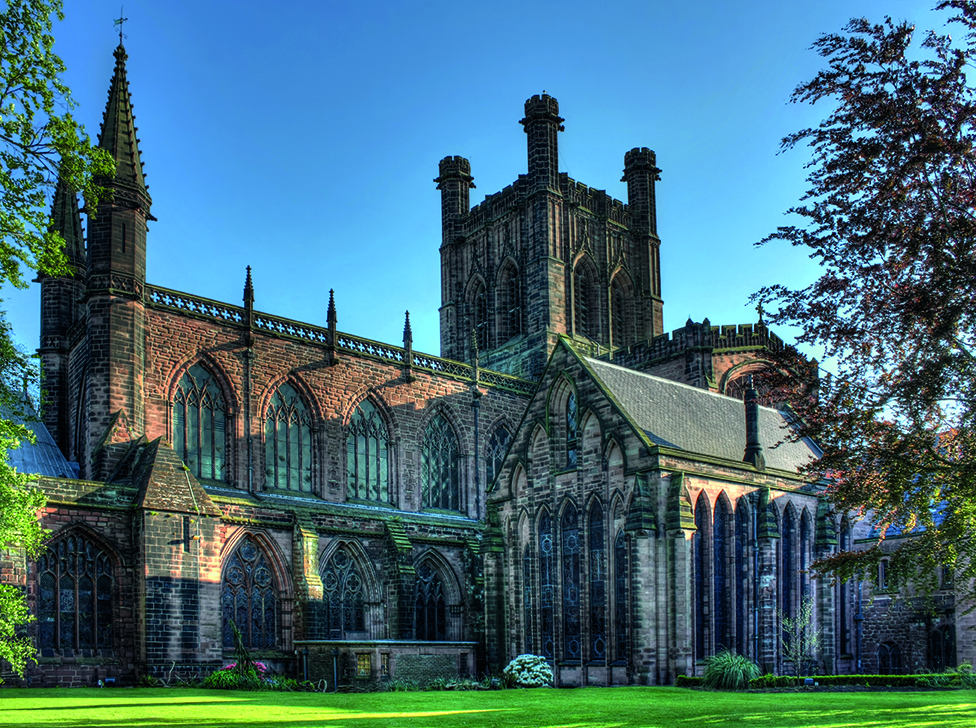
118, 137
66, 219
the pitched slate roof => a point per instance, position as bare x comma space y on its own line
697, 421
43, 457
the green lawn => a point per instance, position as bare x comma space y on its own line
582, 708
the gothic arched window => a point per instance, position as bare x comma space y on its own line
200, 424
844, 593
583, 301
741, 577
248, 596
430, 614
495, 453
788, 574
76, 584
368, 455
512, 290
598, 586
942, 648
440, 467
889, 659
572, 430
569, 527
619, 305
701, 582
547, 587
527, 598
288, 442
344, 594
481, 317
720, 527
621, 607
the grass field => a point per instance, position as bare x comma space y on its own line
583, 708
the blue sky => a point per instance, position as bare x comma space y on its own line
302, 138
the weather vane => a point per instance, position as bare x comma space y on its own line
119, 23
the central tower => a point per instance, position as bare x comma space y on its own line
547, 257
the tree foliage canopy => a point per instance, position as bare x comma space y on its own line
890, 217
40, 144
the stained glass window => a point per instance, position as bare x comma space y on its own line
598, 586
547, 587
249, 597
441, 471
200, 424
344, 594
621, 607
720, 526
75, 584
288, 441
430, 616
495, 453
788, 544
364, 664
569, 527
804, 549
741, 578
368, 455
572, 430
527, 598
701, 525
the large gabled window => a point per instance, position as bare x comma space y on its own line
200, 424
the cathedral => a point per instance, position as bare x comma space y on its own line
566, 479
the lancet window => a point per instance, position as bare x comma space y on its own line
249, 598
621, 607
701, 583
368, 455
720, 528
741, 578
788, 574
344, 594
430, 613
440, 467
481, 317
598, 585
569, 528
76, 584
618, 308
288, 441
200, 424
572, 431
547, 588
495, 453
513, 304
527, 598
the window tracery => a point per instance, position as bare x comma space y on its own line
344, 593
495, 453
440, 467
430, 615
200, 424
288, 441
598, 586
249, 597
368, 455
569, 527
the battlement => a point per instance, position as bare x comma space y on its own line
596, 201
694, 336
541, 107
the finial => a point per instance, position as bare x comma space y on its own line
331, 316
119, 23
759, 308
407, 331
248, 288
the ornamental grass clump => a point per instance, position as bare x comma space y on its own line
529, 671
729, 671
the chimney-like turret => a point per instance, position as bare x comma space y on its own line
542, 125
754, 450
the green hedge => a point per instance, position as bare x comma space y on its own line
874, 681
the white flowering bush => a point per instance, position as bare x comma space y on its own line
529, 671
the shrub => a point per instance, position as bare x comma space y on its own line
234, 680
398, 685
684, 681
729, 671
529, 671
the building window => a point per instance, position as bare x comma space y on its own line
364, 665
598, 586
200, 424
942, 648
430, 617
495, 453
885, 581
527, 599
569, 527
582, 301
343, 592
804, 556
720, 527
368, 455
618, 308
741, 577
889, 659
440, 467
75, 583
288, 442
621, 607
385, 664
547, 588
481, 317
513, 304
572, 431
249, 598
788, 573
844, 594
701, 582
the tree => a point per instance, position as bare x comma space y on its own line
801, 639
41, 145
889, 215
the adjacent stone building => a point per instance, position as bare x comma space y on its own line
565, 479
